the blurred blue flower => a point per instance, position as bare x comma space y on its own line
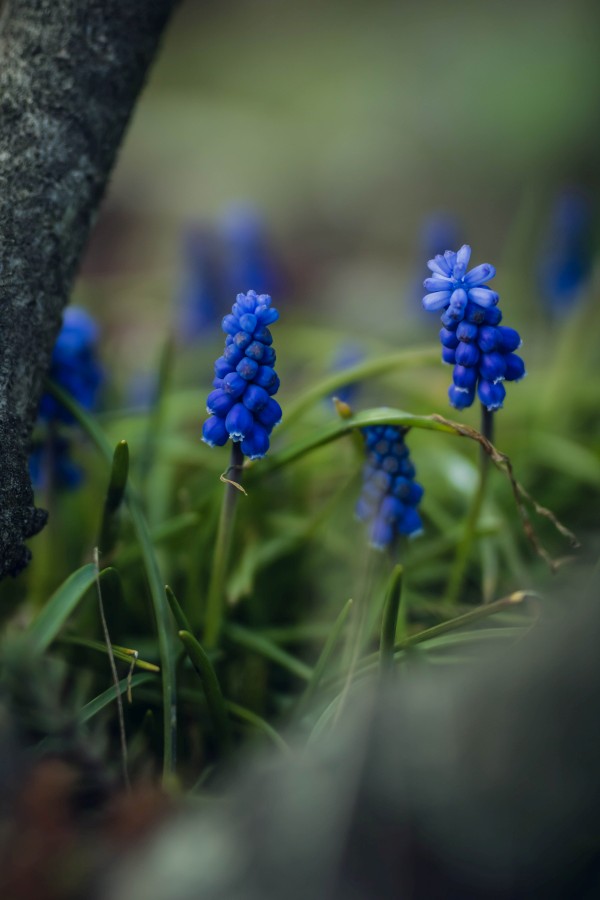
473, 341
248, 257
74, 365
348, 355
566, 258
439, 230
201, 299
50, 463
242, 406
390, 495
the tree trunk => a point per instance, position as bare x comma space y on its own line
70, 73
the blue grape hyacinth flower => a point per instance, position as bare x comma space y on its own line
473, 341
242, 406
50, 461
390, 495
74, 365
566, 259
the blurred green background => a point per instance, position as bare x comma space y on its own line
348, 124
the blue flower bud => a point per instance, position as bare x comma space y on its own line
411, 524
263, 335
232, 354
509, 339
214, 432
248, 323
219, 403
467, 354
515, 368
461, 398
268, 357
247, 368
222, 367
492, 367
488, 338
448, 356
270, 415
242, 339
467, 332
234, 384
256, 445
230, 324
255, 398
239, 422
491, 395
265, 377
448, 338
255, 350
465, 377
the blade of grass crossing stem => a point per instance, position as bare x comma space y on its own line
103, 700
157, 592
246, 715
389, 622
258, 643
212, 689
323, 659
109, 527
181, 620
59, 607
123, 654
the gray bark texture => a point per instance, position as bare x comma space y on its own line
70, 74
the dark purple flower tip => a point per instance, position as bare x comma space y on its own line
515, 368
219, 403
492, 367
239, 422
491, 395
466, 332
256, 445
461, 398
255, 398
234, 384
214, 432
247, 368
467, 354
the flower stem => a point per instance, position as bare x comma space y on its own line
216, 589
458, 572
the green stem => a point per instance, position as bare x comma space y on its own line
390, 620
458, 572
216, 591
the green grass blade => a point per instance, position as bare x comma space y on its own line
212, 689
114, 497
390, 619
100, 702
321, 665
181, 620
59, 607
160, 606
405, 359
123, 654
258, 643
246, 715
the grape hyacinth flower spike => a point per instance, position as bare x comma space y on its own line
390, 495
473, 341
242, 407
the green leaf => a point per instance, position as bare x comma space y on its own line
180, 617
246, 715
321, 665
124, 654
212, 689
114, 497
258, 643
100, 702
159, 602
390, 618
59, 607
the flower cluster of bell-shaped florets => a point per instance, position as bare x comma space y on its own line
480, 349
242, 407
390, 495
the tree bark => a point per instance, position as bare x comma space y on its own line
70, 73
